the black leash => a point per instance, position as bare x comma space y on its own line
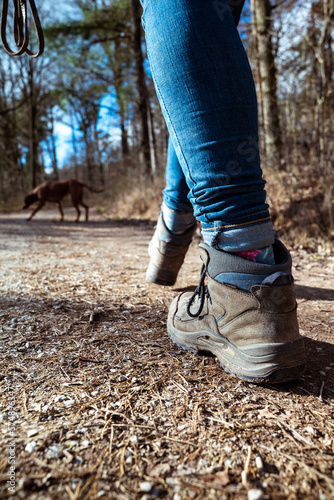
21, 32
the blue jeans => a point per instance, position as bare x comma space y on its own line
207, 94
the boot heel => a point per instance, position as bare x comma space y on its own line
160, 276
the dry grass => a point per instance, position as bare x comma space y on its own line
302, 210
108, 407
300, 202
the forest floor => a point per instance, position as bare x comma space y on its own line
108, 407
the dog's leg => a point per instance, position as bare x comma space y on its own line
76, 206
41, 204
77, 200
86, 207
75, 197
61, 211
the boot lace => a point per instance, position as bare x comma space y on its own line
202, 292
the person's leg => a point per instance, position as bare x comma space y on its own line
175, 194
176, 212
175, 227
205, 86
176, 209
247, 314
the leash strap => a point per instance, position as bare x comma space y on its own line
21, 32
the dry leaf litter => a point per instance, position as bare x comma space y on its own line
108, 407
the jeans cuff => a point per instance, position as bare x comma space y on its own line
248, 237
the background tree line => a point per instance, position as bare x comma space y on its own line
95, 78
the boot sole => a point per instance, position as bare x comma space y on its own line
261, 363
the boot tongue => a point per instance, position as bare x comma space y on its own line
279, 278
218, 262
231, 269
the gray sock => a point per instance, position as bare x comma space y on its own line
177, 222
229, 268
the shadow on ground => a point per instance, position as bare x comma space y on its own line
313, 293
53, 228
302, 292
318, 379
71, 223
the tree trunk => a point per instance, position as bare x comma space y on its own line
53, 149
141, 85
98, 156
271, 122
34, 140
258, 78
323, 107
119, 85
89, 162
153, 140
74, 146
324, 47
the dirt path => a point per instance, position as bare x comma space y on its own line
108, 407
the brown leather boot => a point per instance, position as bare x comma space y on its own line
255, 333
167, 252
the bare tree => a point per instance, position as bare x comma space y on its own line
262, 19
142, 94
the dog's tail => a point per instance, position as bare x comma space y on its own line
91, 189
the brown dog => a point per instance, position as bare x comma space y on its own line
55, 191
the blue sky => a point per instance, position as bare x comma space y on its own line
292, 29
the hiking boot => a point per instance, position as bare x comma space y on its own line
255, 333
167, 252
